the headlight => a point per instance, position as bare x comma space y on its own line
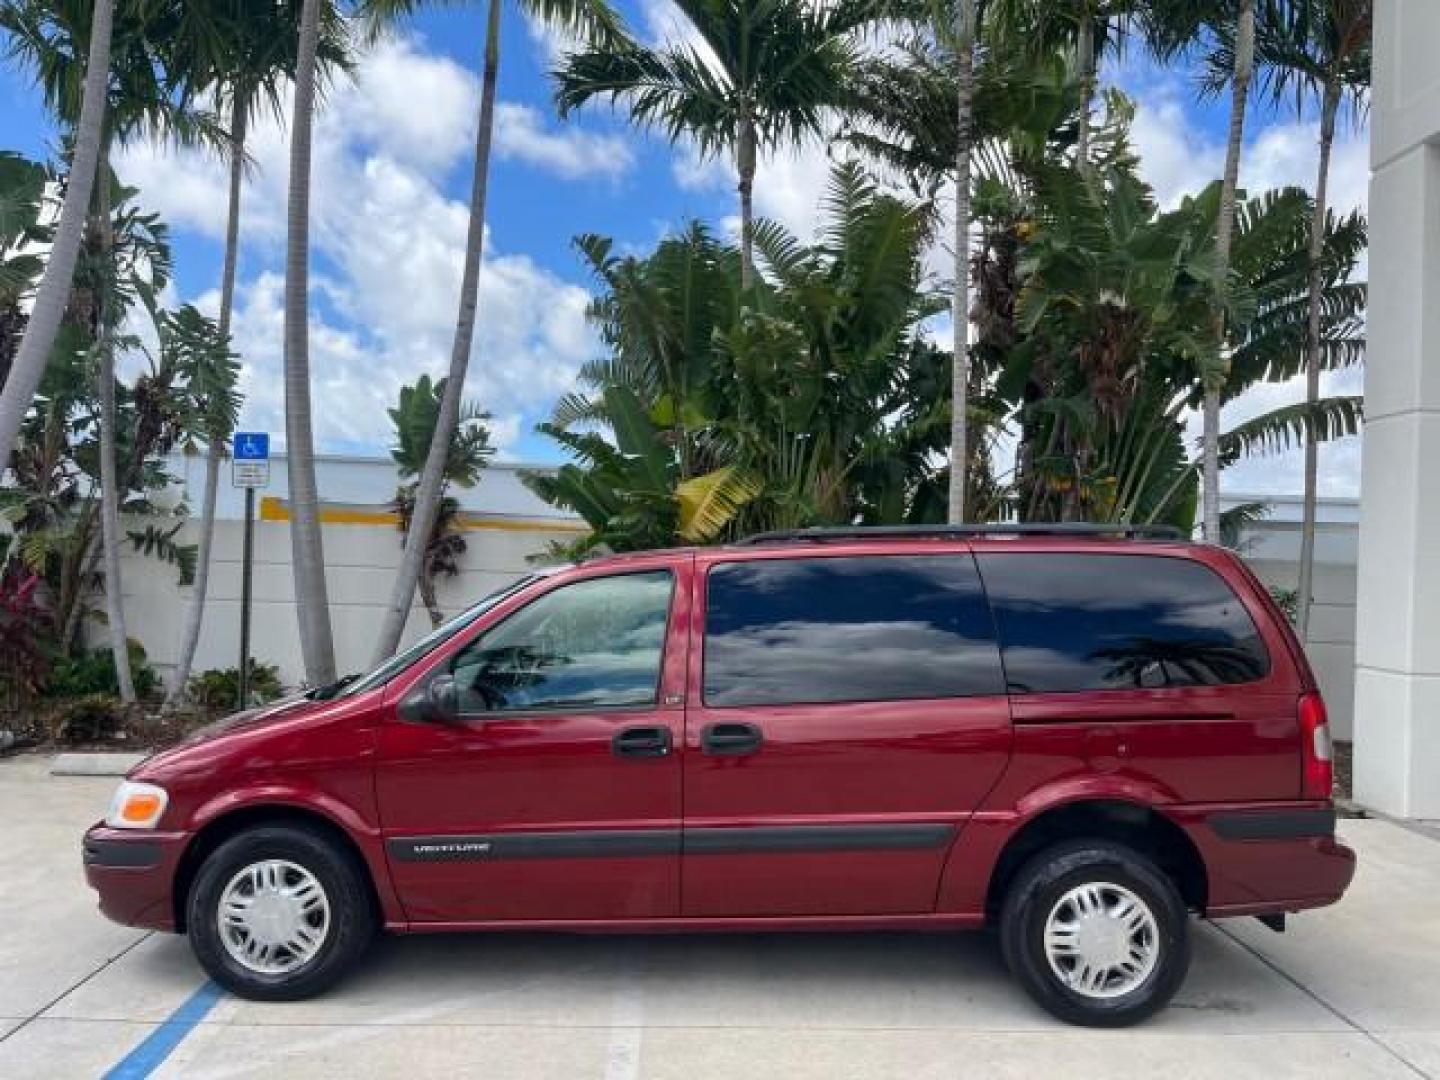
136, 806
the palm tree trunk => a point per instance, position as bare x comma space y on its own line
432, 479
307, 550
1243, 70
1328, 109
1085, 59
54, 292
431, 602
215, 442
745, 166
76, 576
960, 302
109, 480
195, 612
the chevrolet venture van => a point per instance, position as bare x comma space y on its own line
1080, 737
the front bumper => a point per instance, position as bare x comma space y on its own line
134, 873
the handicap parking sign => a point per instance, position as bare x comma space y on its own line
252, 446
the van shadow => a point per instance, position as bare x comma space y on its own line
763, 980
798, 979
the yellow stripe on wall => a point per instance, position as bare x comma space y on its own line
274, 508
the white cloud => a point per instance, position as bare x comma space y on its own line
388, 247
1178, 159
521, 134
696, 172
414, 106
1172, 160
665, 24
551, 42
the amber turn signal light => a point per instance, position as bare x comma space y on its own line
136, 806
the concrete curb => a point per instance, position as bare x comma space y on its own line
95, 764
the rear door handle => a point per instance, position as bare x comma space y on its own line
642, 742
720, 740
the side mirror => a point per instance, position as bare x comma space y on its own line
436, 701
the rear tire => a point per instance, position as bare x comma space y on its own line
1096, 933
279, 913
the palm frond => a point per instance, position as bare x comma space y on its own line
709, 504
1292, 425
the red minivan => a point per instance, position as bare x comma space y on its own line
1080, 736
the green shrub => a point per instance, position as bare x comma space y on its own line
90, 718
218, 688
92, 671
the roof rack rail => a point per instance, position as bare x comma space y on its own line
940, 532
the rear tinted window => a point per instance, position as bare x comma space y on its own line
1107, 622
879, 628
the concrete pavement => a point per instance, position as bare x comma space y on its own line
1350, 991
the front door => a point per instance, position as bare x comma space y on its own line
847, 714
556, 794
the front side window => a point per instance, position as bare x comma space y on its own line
358, 684
1115, 622
591, 644
876, 628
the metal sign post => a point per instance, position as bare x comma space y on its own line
249, 469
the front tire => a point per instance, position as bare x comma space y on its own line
1096, 933
279, 913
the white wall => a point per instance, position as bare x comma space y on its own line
360, 562
1397, 687
1272, 548
510, 524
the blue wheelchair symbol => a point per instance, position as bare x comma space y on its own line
252, 446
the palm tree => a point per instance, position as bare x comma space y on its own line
1088, 28
312, 600
56, 458
1242, 69
213, 374
817, 403
415, 418
142, 100
761, 76
1227, 28
23, 378
1088, 304
1305, 48
246, 64
926, 109
960, 300
22, 200
595, 21
109, 482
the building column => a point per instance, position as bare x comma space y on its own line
1397, 651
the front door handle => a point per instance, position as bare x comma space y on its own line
642, 742
721, 740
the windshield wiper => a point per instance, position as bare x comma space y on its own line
329, 690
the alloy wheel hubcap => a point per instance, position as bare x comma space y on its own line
274, 916
1102, 940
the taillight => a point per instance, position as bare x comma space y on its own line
1317, 778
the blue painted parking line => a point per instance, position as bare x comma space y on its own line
161, 1043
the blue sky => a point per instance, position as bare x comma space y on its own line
391, 180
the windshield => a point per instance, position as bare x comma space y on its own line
358, 684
